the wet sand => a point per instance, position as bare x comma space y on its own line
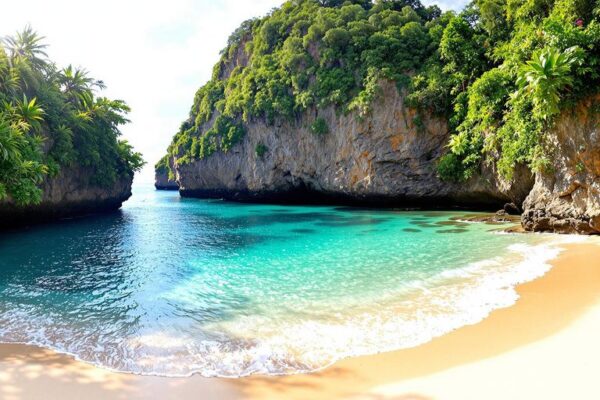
546, 346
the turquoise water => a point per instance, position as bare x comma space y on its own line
173, 286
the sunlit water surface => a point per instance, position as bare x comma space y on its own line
175, 286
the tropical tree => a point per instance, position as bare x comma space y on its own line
9, 78
19, 176
10, 142
51, 118
546, 75
27, 45
77, 84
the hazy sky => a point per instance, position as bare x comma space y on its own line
152, 54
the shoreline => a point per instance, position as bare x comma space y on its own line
513, 343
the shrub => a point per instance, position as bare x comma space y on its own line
450, 168
261, 150
319, 127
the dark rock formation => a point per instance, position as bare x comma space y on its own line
511, 209
68, 194
389, 157
567, 199
386, 157
162, 181
499, 217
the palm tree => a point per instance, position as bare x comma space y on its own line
546, 75
77, 85
74, 82
27, 45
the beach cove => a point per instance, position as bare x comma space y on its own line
352, 199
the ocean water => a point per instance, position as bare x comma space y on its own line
171, 286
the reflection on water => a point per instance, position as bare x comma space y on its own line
174, 286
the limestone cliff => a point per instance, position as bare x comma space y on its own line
257, 131
162, 181
387, 157
566, 198
68, 194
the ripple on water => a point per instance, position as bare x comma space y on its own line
303, 230
174, 287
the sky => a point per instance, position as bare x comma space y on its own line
152, 54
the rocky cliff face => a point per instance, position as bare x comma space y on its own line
567, 199
388, 157
66, 195
162, 181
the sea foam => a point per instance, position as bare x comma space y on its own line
445, 302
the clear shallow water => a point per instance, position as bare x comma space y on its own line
175, 286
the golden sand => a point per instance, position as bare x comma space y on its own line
547, 346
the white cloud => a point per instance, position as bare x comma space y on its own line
153, 54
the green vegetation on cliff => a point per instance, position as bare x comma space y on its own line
499, 71
508, 68
307, 54
162, 165
51, 118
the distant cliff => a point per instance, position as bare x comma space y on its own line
162, 180
383, 158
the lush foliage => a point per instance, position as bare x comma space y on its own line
162, 166
51, 118
308, 53
508, 68
500, 71
546, 76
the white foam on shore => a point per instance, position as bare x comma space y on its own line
445, 302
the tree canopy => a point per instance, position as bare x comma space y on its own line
307, 53
500, 71
509, 67
52, 118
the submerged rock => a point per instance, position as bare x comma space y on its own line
500, 216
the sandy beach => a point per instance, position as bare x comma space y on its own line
544, 347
